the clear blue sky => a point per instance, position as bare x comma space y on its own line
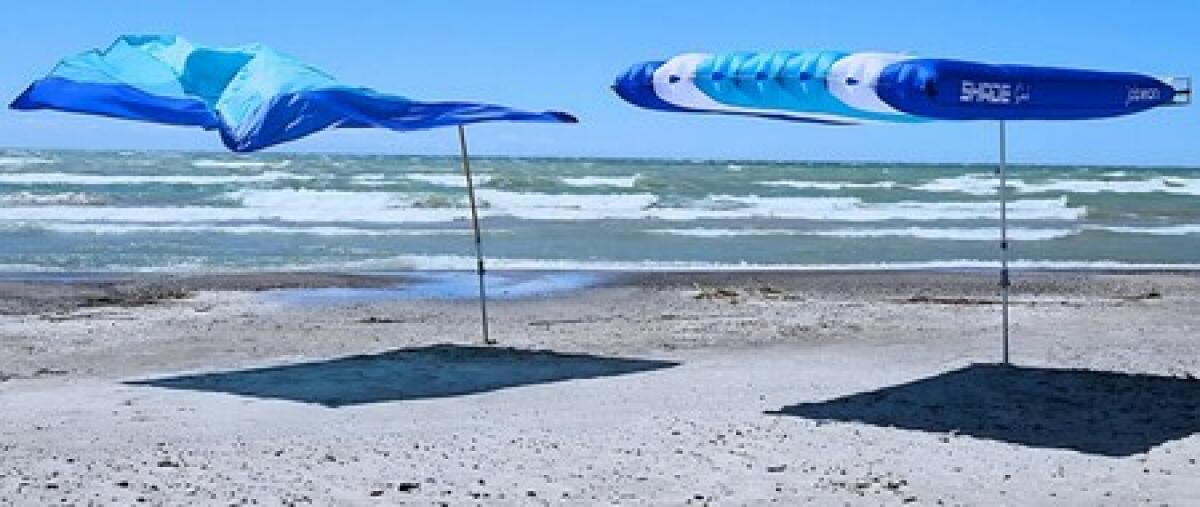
563, 54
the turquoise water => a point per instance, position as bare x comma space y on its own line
131, 211
455, 285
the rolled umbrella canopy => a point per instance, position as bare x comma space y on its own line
252, 95
844, 88
839, 88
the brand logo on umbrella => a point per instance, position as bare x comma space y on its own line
989, 93
1023, 93
1142, 95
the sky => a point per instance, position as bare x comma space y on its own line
564, 55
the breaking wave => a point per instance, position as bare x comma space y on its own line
240, 164
65, 198
59, 178
386, 207
932, 233
976, 184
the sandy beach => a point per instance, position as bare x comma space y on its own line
652, 388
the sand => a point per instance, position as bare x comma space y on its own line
695, 388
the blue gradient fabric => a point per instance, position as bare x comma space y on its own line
252, 95
845, 88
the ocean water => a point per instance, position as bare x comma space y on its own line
171, 211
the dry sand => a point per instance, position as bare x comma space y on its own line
724, 389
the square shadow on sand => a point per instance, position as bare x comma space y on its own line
437, 371
1093, 412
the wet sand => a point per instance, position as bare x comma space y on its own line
661, 388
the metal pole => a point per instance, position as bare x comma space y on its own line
479, 269
1004, 280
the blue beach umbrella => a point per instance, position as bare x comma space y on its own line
253, 96
843, 88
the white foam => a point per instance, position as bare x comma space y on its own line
370, 180
944, 233
30, 268
239, 164
264, 205
65, 198
448, 179
1165, 230
1182, 186
339, 206
139, 179
952, 233
849, 209
24, 161
116, 229
532, 206
538, 206
386, 207
704, 232
977, 184
826, 185
603, 181
974, 184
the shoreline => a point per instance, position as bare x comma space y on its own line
619, 267
33, 293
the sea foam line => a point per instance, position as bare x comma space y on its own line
239, 164
602, 181
930, 233
386, 207
980, 184
1164, 230
139, 179
826, 185
24, 161
448, 179
241, 229
63, 198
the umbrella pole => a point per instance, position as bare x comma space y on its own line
479, 269
1004, 279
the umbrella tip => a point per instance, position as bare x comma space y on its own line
563, 117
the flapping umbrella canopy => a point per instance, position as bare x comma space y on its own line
255, 96
840, 88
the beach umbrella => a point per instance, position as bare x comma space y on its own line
253, 96
851, 88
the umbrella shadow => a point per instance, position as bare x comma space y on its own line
437, 371
1092, 412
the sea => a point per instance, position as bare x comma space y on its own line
131, 211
